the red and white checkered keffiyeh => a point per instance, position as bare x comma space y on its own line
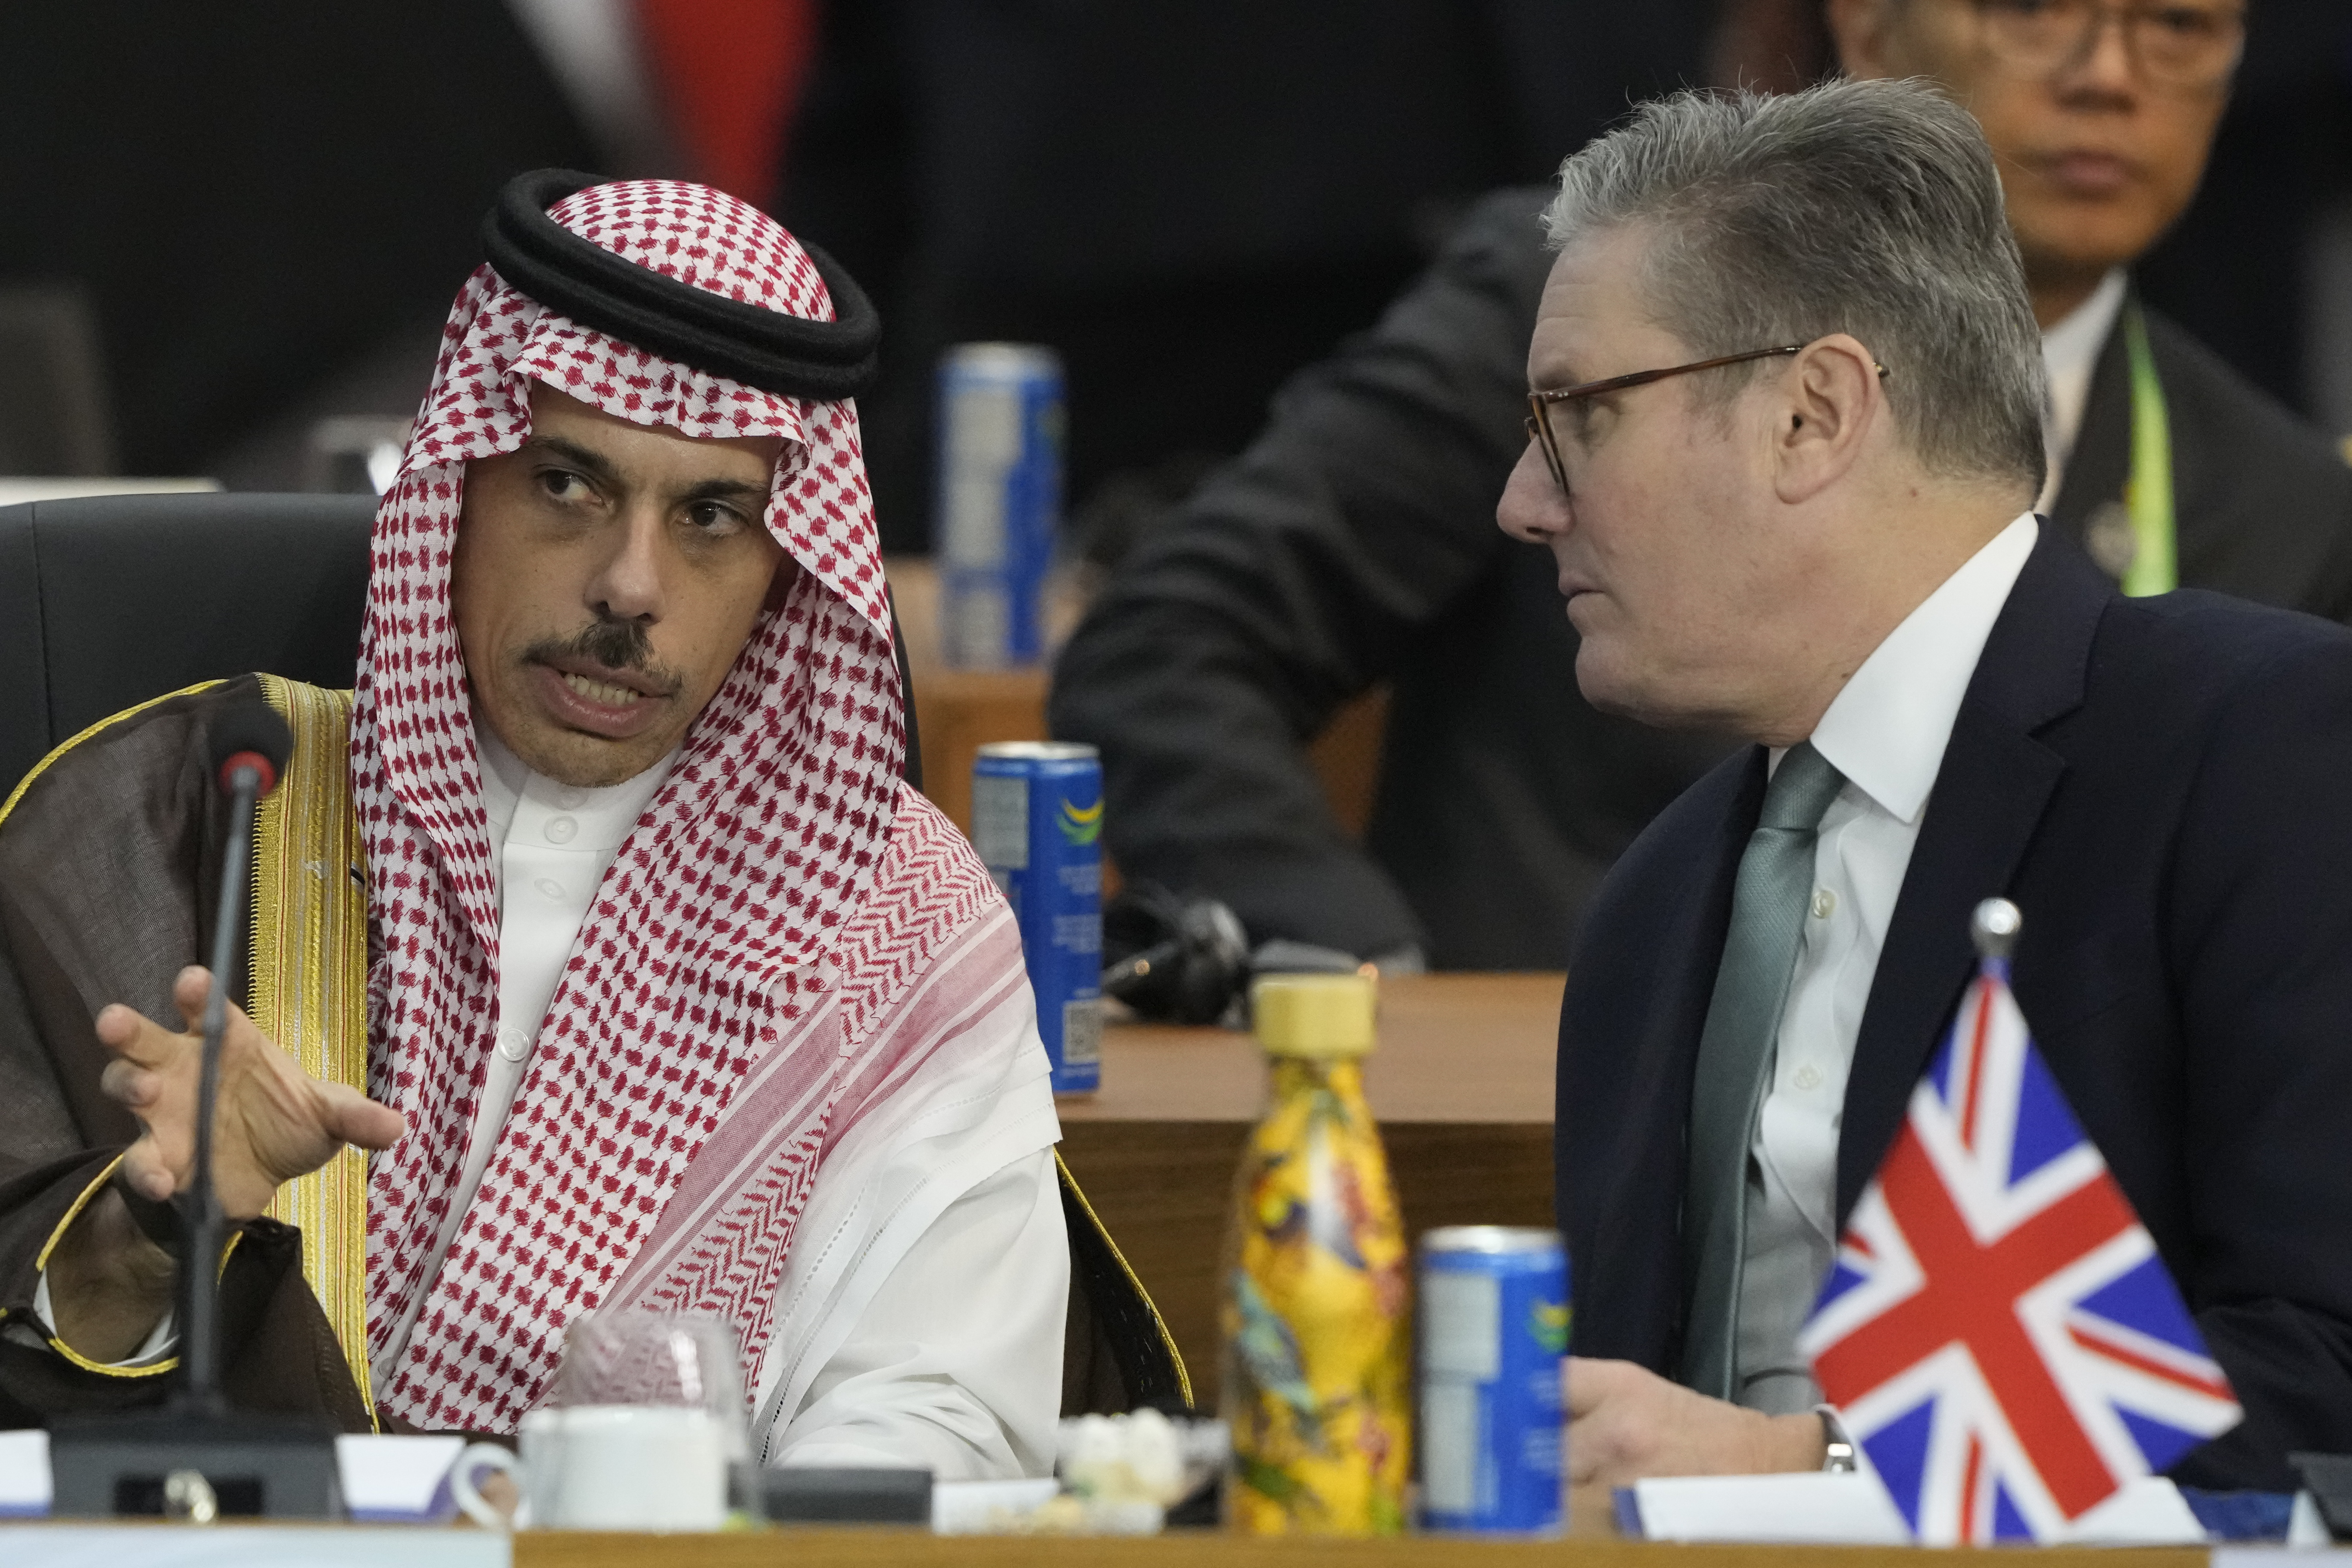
711, 1002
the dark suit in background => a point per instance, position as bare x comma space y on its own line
1355, 543
2263, 508
2159, 786
1190, 198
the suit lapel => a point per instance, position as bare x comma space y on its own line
1645, 1189
1685, 986
1989, 796
1626, 1059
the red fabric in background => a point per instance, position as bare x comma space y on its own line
727, 74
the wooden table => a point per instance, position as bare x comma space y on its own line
1462, 1086
856, 1548
801, 1548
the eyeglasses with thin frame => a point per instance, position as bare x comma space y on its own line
1539, 402
2193, 45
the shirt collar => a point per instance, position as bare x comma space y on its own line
2069, 352
606, 817
2073, 344
1887, 729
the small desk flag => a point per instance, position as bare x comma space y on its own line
1997, 1332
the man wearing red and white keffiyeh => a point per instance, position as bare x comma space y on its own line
683, 999
795, 1035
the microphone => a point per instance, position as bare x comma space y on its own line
196, 1458
249, 746
1182, 958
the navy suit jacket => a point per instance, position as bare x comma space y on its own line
2164, 786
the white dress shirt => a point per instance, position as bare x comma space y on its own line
1886, 732
2069, 352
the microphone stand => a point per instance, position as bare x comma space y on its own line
196, 1458
207, 1224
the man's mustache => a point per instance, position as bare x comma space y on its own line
614, 645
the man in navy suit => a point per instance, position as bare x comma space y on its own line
1787, 430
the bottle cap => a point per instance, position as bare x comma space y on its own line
1319, 1016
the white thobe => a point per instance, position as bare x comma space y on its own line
953, 1361
1886, 732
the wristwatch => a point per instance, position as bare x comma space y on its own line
1838, 1457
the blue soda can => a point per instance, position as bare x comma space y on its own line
1000, 500
1036, 821
1494, 1333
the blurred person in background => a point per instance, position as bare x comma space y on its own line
251, 213
1188, 200
1352, 545
2259, 265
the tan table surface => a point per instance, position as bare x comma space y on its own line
1209, 1549
1453, 1047
1589, 1545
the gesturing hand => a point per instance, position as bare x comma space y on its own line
1626, 1422
274, 1122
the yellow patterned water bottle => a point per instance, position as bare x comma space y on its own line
1315, 1310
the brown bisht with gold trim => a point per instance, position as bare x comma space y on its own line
110, 852
107, 851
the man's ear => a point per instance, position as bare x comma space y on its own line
1829, 402
1864, 32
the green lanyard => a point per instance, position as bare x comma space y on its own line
2148, 494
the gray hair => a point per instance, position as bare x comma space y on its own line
1865, 207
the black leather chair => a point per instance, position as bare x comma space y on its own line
109, 600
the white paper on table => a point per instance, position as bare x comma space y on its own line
966, 1508
2304, 1527
2149, 1512
24, 1474
252, 1546
1809, 1507
1819, 1508
2296, 1556
398, 1480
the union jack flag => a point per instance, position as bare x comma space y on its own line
1998, 1334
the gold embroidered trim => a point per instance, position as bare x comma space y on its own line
1184, 1378
41, 1263
309, 965
43, 766
151, 1369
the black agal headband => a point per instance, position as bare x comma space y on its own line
821, 360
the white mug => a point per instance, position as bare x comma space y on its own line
607, 1467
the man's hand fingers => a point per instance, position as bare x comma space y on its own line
1588, 1384
1583, 1456
353, 1118
134, 1038
190, 990
130, 1084
144, 1169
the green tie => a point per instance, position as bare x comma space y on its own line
1735, 1054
